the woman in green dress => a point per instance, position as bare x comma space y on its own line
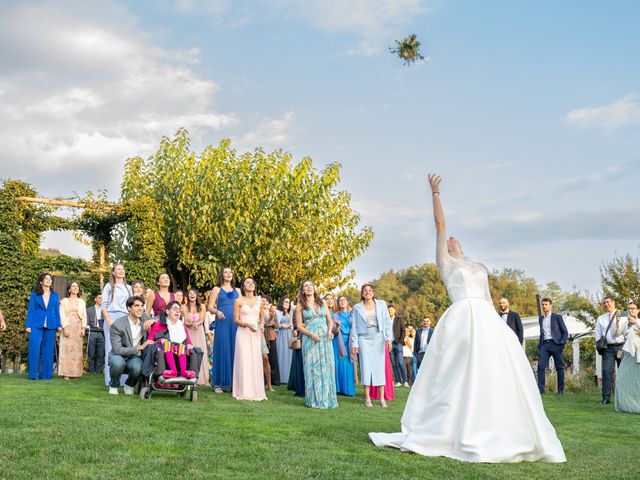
628, 376
315, 323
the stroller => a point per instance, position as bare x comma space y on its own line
154, 364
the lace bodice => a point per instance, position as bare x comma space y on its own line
463, 277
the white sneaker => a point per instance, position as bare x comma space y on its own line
398, 384
113, 391
405, 384
128, 390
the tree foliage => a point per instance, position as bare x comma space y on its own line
19, 242
21, 228
418, 292
620, 279
515, 286
256, 212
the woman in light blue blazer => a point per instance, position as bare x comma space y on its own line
43, 319
371, 333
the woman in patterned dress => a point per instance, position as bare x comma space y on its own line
315, 323
73, 319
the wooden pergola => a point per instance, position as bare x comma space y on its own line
102, 266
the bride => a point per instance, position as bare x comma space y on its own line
475, 398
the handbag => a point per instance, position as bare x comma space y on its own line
601, 344
295, 343
271, 334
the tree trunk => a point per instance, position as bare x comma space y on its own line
16, 364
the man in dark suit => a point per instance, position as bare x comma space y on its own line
128, 340
511, 318
423, 337
397, 358
553, 336
95, 340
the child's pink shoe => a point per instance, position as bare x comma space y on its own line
170, 374
189, 374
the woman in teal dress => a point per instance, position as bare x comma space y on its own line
627, 397
345, 382
315, 323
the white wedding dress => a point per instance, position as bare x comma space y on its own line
475, 398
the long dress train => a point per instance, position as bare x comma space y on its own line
475, 398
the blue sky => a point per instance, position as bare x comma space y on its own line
529, 110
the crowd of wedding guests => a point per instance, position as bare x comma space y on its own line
318, 345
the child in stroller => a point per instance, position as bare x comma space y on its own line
172, 342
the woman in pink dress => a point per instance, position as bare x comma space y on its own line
193, 312
158, 303
248, 380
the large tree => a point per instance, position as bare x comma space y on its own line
256, 212
515, 286
620, 279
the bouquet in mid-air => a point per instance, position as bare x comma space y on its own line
408, 49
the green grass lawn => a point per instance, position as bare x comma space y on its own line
69, 430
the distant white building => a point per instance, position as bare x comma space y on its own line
577, 331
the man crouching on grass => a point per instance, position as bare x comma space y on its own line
128, 340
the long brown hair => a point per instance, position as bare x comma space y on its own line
112, 280
199, 305
335, 302
338, 303
302, 298
220, 279
372, 288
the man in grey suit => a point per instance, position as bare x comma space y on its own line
95, 340
128, 340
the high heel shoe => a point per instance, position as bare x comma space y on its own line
383, 404
367, 403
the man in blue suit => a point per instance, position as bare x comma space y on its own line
423, 337
553, 337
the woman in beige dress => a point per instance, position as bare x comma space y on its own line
193, 314
73, 320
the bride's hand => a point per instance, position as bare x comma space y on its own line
434, 182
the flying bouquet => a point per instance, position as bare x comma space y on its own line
408, 49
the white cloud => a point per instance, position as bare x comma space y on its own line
620, 113
376, 21
81, 85
271, 133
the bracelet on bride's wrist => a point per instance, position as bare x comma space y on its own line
435, 193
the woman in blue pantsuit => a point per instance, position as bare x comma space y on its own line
43, 319
371, 334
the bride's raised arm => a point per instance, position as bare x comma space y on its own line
442, 255
438, 213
